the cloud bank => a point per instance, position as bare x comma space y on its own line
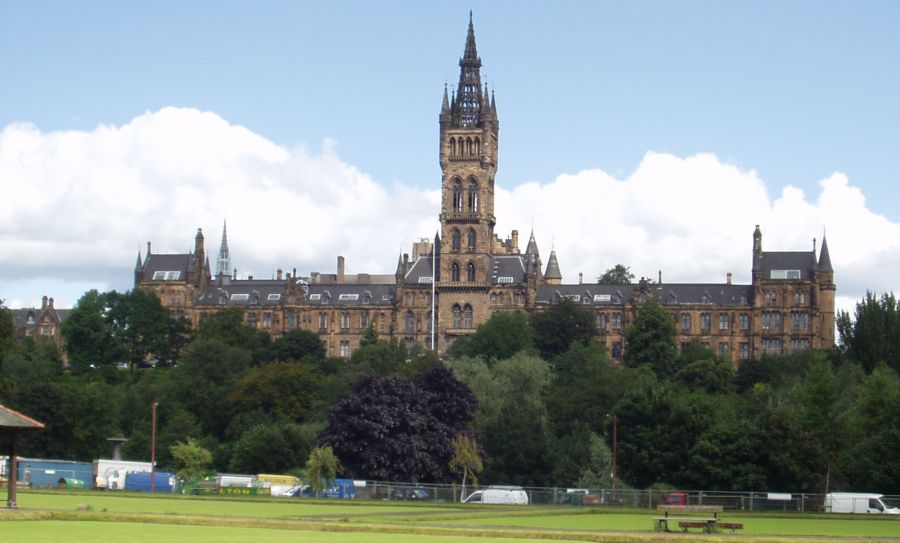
78, 205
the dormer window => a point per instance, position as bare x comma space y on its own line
166, 275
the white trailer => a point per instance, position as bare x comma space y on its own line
858, 502
110, 474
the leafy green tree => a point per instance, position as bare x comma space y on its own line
650, 340
502, 336
321, 468
272, 448
139, 323
191, 459
582, 458
726, 457
89, 339
379, 358
702, 369
228, 326
873, 335
7, 339
561, 325
617, 275
369, 337
280, 389
297, 345
584, 389
466, 459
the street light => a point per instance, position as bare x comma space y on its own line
153, 446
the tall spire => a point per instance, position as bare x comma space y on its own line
824, 257
223, 262
467, 110
552, 276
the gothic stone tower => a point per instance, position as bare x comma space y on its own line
468, 159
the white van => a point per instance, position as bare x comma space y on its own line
856, 502
500, 495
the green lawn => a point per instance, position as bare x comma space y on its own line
753, 525
55, 516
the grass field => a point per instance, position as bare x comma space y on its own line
133, 518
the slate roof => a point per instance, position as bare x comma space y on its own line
420, 268
13, 419
166, 262
257, 292
805, 261
713, 294
353, 295
20, 316
552, 267
512, 266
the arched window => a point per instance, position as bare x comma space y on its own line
468, 146
428, 321
467, 316
471, 239
457, 316
470, 272
477, 146
457, 196
473, 197
455, 240
452, 146
493, 298
601, 321
454, 272
409, 323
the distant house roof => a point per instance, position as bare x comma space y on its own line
11, 419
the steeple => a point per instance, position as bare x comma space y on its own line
824, 257
468, 106
138, 270
223, 262
532, 248
552, 276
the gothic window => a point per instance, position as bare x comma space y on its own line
771, 320
428, 321
467, 316
291, 319
799, 298
363, 320
345, 321
617, 321
409, 323
771, 345
267, 320
705, 321
745, 351
493, 298
724, 321
471, 239
686, 322
455, 240
470, 272
601, 321
452, 146
468, 146
723, 350
345, 349
457, 316
454, 272
799, 321
251, 319
477, 146
473, 197
745, 321
771, 299
323, 321
457, 195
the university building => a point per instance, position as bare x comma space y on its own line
447, 287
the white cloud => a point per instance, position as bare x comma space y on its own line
78, 205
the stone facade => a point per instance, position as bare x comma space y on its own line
469, 273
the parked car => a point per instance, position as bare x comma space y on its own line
410, 493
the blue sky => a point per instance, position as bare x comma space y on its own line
793, 91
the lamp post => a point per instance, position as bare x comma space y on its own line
614, 446
153, 446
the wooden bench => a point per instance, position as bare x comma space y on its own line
730, 526
707, 526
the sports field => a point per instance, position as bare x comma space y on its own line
88, 516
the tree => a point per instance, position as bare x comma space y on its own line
228, 326
191, 459
397, 429
584, 390
650, 340
272, 448
321, 468
7, 338
139, 323
617, 275
379, 358
873, 335
561, 325
467, 460
502, 336
369, 337
89, 340
281, 389
297, 345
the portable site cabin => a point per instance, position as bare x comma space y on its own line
43, 473
110, 474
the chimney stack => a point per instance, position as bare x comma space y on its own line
43, 303
340, 269
728, 278
279, 274
580, 278
515, 240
